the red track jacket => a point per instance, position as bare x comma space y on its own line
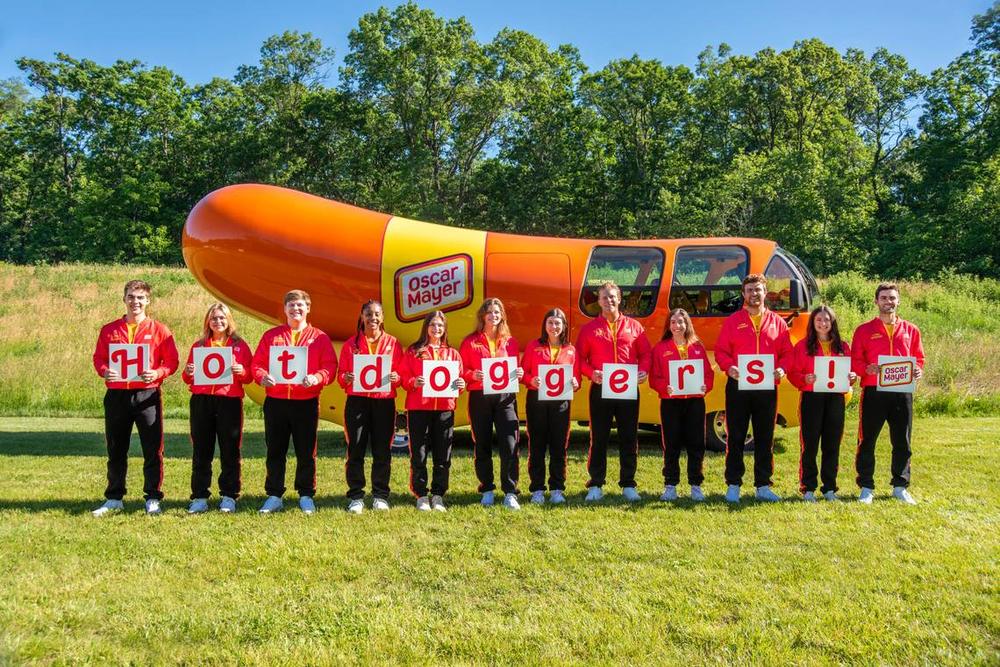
386, 344
666, 351
870, 340
162, 350
475, 348
803, 364
738, 337
241, 355
413, 367
536, 354
321, 361
594, 345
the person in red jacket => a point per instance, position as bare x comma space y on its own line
821, 414
548, 421
682, 418
369, 416
430, 420
216, 412
133, 377
754, 329
612, 338
291, 406
492, 338
887, 334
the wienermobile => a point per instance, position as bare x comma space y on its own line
249, 244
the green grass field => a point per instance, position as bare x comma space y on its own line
611, 584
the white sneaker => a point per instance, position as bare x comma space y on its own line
356, 506
510, 501
109, 507
380, 505
198, 505
424, 504
733, 494
809, 497
153, 507
437, 504
696, 494
900, 493
765, 493
669, 493
594, 494
631, 495
867, 496
487, 500
271, 505
538, 497
307, 505
831, 496
557, 497
227, 505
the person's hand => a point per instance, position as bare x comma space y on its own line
704, 389
918, 372
809, 378
349, 376
189, 369
419, 381
148, 376
267, 381
598, 377
519, 373
576, 384
477, 375
852, 377
534, 382
111, 375
237, 369
642, 376
871, 369
459, 383
733, 372
778, 374
393, 377
310, 381
670, 390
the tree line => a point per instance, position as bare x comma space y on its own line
852, 161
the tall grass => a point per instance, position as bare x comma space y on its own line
50, 316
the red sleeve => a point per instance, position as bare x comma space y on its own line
346, 364
784, 347
858, 362
583, 353
398, 363
529, 363
709, 371
724, 346
327, 370
167, 350
797, 369
657, 372
469, 358
241, 352
189, 379
258, 365
409, 372
576, 367
643, 350
917, 350
101, 353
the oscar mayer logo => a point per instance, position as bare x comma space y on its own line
440, 284
895, 374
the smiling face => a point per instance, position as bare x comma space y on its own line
136, 301
296, 312
492, 317
554, 328
822, 324
753, 294
887, 302
609, 300
218, 323
372, 318
435, 330
678, 327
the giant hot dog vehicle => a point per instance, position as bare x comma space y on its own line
249, 244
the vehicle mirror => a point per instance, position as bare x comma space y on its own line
797, 295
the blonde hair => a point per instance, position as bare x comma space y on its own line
206, 329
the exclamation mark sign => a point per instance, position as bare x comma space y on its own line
830, 384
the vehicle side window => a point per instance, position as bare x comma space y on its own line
708, 279
637, 271
779, 274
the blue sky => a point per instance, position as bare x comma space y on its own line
200, 40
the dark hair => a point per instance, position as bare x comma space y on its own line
361, 322
812, 340
883, 287
689, 334
421, 343
543, 339
503, 330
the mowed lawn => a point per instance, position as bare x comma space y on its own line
654, 583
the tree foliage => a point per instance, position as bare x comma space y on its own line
853, 161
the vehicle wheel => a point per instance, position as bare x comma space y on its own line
715, 433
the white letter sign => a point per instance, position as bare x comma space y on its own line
756, 371
832, 374
686, 376
130, 360
555, 382
288, 364
499, 375
212, 365
371, 373
897, 374
620, 381
439, 376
